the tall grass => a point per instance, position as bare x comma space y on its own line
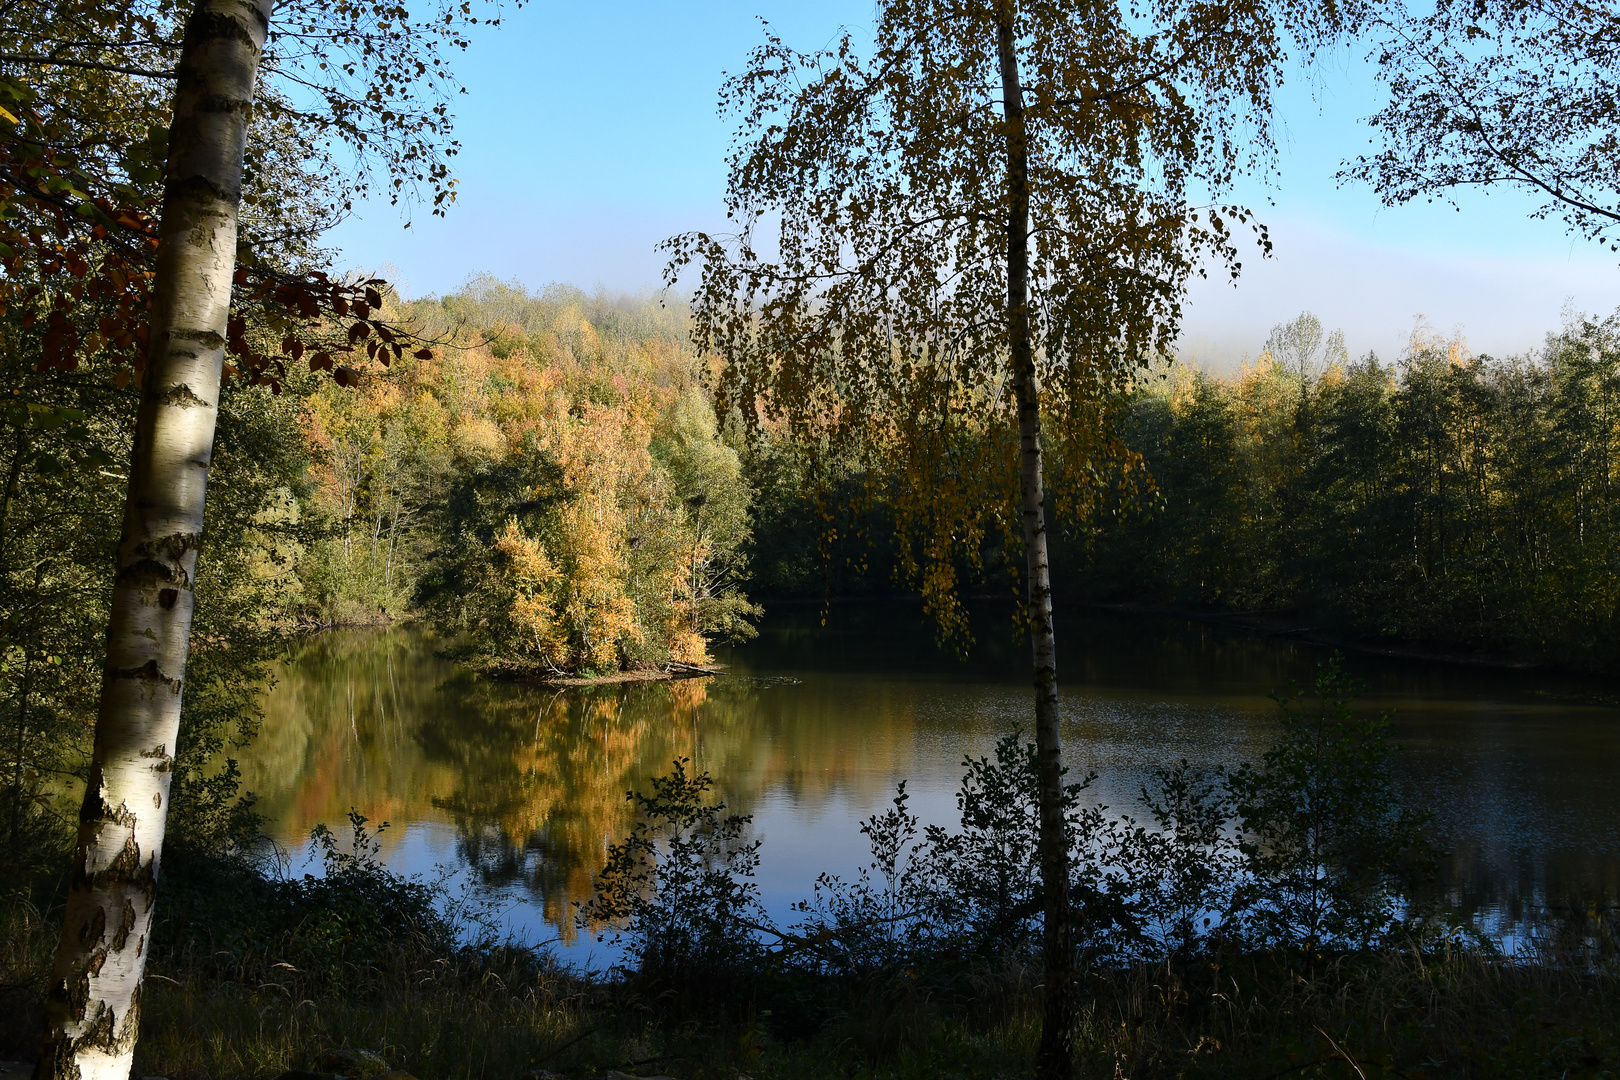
502, 1013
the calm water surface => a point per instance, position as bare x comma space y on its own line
517, 791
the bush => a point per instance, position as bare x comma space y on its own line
681, 889
326, 931
1326, 845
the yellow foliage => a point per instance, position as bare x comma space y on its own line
688, 647
534, 580
602, 518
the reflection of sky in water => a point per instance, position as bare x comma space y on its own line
518, 790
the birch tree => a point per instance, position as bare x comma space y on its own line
93, 1009
171, 282
953, 255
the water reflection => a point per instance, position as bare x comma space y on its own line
525, 787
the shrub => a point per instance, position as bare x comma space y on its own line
680, 889
1325, 842
1310, 850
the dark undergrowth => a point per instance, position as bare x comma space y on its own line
504, 1013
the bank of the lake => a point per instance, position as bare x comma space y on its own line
512, 793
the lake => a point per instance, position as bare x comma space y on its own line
516, 791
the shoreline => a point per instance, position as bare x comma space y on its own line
1280, 625
673, 673
1271, 624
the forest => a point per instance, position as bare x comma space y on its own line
553, 484
931, 356
1439, 497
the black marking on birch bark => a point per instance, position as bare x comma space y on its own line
181, 396
131, 1026
118, 815
127, 873
58, 1062
99, 1032
170, 548
167, 597
91, 809
205, 25
94, 928
127, 866
152, 573
165, 760
208, 339
199, 187
72, 998
125, 926
222, 103
147, 672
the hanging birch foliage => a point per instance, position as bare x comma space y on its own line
952, 255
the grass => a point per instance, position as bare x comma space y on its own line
503, 1013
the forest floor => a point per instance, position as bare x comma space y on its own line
503, 1013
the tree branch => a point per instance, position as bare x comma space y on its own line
87, 65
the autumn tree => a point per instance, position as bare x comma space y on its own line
591, 519
1516, 93
952, 254
122, 233
706, 479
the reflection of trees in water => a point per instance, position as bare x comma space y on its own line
542, 777
339, 732
534, 780
1545, 894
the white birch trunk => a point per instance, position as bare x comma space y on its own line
1055, 1058
93, 1007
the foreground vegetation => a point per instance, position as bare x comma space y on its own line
498, 1013
1268, 921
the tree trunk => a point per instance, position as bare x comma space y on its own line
93, 1008
1057, 1027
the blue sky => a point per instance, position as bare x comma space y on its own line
589, 134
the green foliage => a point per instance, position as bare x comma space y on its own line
60, 508
707, 480
1187, 866
58, 515
357, 908
459, 585
1447, 498
330, 929
1535, 109
681, 888
1327, 846
820, 528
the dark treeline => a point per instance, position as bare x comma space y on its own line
1442, 498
